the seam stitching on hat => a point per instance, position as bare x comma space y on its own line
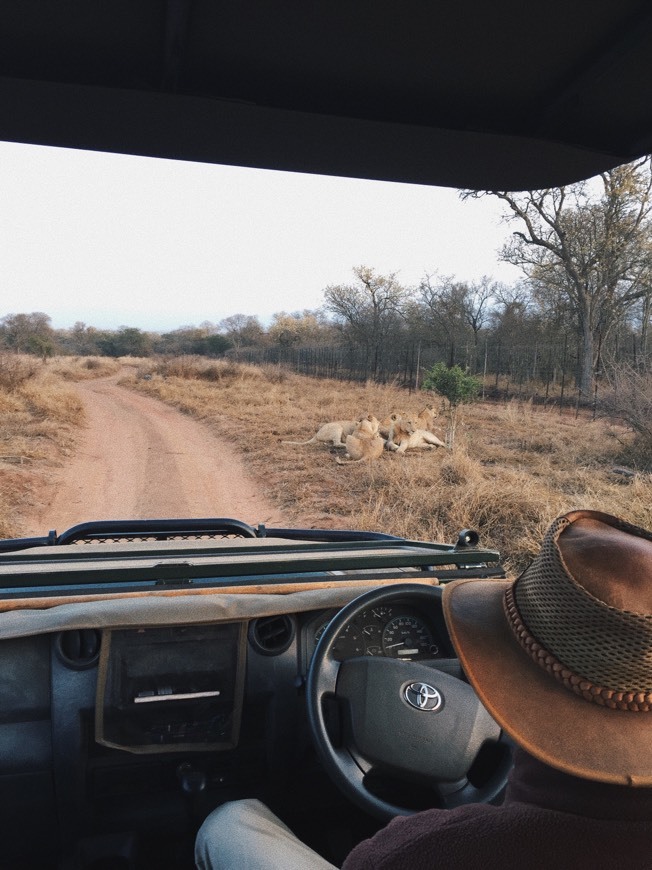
564, 522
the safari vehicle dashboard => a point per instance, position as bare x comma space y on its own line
149, 672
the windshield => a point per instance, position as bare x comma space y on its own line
183, 340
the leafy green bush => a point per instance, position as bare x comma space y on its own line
453, 384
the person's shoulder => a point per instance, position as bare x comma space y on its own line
420, 840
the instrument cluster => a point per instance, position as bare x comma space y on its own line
394, 631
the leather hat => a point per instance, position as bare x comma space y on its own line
562, 656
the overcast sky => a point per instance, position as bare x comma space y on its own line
115, 240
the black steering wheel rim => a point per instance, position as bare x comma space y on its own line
346, 765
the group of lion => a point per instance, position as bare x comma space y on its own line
365, 439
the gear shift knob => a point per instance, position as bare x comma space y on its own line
192, 780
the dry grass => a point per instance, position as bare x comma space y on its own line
513, 469
73, 368
40, 415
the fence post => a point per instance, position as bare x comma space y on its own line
563, 376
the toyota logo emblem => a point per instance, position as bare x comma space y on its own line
423, 697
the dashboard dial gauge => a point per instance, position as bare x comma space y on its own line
377, 614
349, 643
371, 636
408, 637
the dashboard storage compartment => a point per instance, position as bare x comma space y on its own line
168, 689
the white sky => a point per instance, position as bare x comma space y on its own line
116, 240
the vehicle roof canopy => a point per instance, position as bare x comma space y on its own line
505, 95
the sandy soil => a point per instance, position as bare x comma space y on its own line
140, 459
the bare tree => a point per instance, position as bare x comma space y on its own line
300, 328
371, 309
588, 244
477, 308
442, 299
242, 329
457, 309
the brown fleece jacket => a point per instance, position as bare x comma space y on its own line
549, 821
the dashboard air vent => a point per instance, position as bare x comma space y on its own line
79, 648
272, 635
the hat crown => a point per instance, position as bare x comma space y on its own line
587, 598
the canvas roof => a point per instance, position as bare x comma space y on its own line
489, 95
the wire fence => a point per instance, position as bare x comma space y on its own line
541, 372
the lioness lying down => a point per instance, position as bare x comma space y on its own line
426, 417
423, 420
336, 432
406, 435
330, 433
387, 425
364, 445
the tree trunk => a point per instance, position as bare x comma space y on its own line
585, 366
645, 323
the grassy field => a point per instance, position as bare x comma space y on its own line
513, 468
40, 416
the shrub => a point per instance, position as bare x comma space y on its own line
15, 370
630, 399
454, 384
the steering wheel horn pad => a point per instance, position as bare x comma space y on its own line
436, 744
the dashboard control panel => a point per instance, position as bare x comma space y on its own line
170, 688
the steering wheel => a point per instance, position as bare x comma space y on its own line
409, 720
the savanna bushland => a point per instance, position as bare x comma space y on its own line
514, 465
513, 468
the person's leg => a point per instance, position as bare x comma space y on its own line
246, 835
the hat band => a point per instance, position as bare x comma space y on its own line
636, 702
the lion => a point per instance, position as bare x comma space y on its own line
407, 435
403, 424
426, 416
335, 433
423, 420
386, 426
363, 445
330, 433
368, 425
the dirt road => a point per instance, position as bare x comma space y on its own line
140, 459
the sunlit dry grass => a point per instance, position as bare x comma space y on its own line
514, 467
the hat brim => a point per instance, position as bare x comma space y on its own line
546, 719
